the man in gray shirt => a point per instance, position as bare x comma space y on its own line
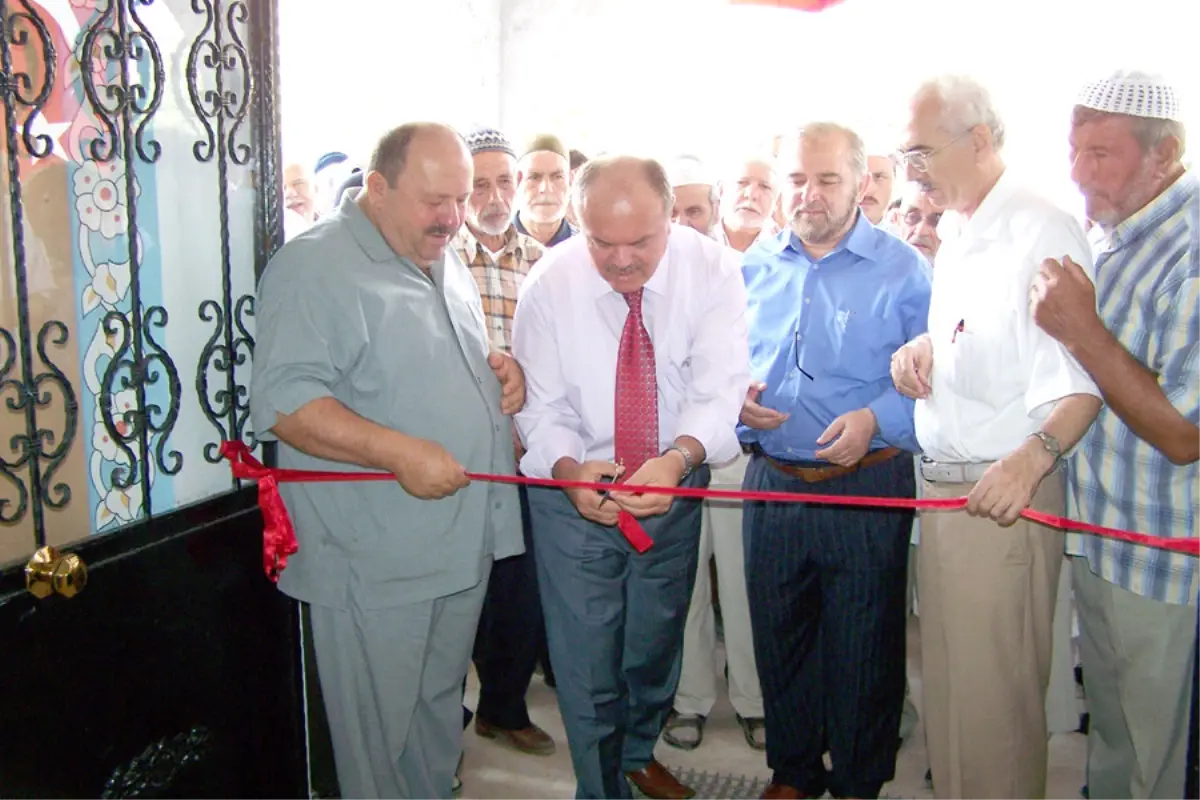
372, 355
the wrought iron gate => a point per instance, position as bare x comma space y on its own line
133, 105
141, 198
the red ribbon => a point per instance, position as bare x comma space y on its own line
279, 538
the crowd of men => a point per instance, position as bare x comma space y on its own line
783, 325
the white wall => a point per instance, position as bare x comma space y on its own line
351, 70
706, 77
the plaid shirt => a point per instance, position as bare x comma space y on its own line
1148, 291
498, 279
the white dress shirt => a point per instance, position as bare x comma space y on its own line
566, 334
996, 374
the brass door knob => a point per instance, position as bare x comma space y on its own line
49, 572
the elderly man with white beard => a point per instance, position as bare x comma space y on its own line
511, 627
544, 181
748, 196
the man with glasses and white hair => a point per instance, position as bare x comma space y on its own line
830, 299
1136, 468
998, 403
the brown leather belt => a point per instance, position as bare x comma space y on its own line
818, 474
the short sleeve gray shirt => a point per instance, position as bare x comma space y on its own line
341, 315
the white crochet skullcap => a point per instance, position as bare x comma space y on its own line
1136, 94
688, 171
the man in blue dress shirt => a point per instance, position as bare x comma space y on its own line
830, 298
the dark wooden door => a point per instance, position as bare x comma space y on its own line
140, 186
173, 673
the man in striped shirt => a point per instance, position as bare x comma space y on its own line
1136, 468
510, 627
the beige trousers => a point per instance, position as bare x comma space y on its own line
987, 608
720, 536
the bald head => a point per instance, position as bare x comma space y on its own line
416, 189
625, 211
620, 182
419, 139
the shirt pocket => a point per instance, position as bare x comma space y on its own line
674, 369
857, 337
987, 359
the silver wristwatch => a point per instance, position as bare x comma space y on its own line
689, 463
1052, 447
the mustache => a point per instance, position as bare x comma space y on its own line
439, 230
544, 200
495, 210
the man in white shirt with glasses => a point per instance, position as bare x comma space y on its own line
998, 403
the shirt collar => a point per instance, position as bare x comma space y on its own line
860, 240
767, 231
991, 210
565, 231
1148, 217
363, 230
469, 243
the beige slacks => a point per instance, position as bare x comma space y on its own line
720, 538
987, 607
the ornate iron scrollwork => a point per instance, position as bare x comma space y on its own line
41, 144
137, 385
125, 108
221, 96
121, 36
39, 451
157, 770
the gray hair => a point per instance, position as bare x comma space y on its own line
652, 172
965, 104
815, 130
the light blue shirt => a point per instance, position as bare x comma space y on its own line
1148, 292
822, 334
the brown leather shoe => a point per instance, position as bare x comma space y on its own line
654, 781
779, 791
532, 740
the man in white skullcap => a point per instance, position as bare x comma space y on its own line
1136, 468
696, 194
998, 403
696, 204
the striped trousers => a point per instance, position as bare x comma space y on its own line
826, 587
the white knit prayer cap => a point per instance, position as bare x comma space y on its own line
1136, 94
689, 171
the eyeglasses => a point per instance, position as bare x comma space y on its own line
914, 218
919, 159
799, 366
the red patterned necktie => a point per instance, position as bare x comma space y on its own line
635, 435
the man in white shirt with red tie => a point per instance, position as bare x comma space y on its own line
633, 340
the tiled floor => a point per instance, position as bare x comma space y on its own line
493, 771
